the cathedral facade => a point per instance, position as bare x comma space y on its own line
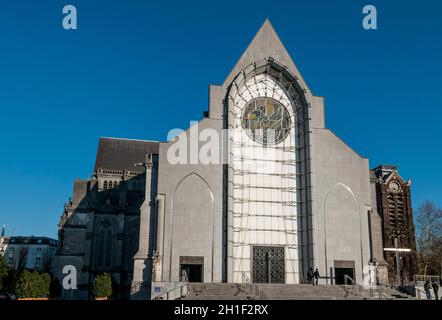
287, 194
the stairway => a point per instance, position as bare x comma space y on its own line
218, 291
307, 292
401, 294
230, 291
235, 291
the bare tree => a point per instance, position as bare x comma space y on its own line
429, 238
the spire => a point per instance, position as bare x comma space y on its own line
3, 230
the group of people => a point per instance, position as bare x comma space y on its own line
427, 288
313, 277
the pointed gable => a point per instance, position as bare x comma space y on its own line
394, 176
388, 173
265, 44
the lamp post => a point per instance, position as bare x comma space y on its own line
396, 235
398, 261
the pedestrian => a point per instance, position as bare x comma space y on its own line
310, 275
436, 290
316, 277
427, 288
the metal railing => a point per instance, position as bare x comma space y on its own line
347, 278
352, 287
245, 278
136, 286
420, 281
252, 289
419, 278
172, 293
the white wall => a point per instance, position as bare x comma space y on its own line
263, 193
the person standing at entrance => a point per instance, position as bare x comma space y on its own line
310, 276
316, 277
436, 290
427, 288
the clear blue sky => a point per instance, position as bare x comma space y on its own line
136, 69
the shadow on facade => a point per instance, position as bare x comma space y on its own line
99, 231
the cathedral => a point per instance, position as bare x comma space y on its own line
287, 195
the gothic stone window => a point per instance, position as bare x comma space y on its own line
105, 244
132, 241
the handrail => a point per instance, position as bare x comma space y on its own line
136, 286
382, 292
184, 276
253, 289
353, 286
347, 277
258, 293
423, 292
182, 288
166, 295
245, 277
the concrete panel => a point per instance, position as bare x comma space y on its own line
170, 176
340, 183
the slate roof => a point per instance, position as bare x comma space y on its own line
122, 154
32, 240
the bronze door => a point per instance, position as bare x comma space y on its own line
268, 264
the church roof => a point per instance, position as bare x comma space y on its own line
122, 154
387, 172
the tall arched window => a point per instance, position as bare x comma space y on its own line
104, 251
132, 242
115, 184
105, 185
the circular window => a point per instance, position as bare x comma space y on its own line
266, 121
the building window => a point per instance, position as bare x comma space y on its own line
137, 186
105, 185
38, 250
134, 239
105, 244
37, 263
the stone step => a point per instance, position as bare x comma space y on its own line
230, 291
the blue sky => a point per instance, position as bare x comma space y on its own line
136, 69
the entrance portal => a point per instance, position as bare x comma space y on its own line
268, 264
343, 270
194, 272
193, 267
